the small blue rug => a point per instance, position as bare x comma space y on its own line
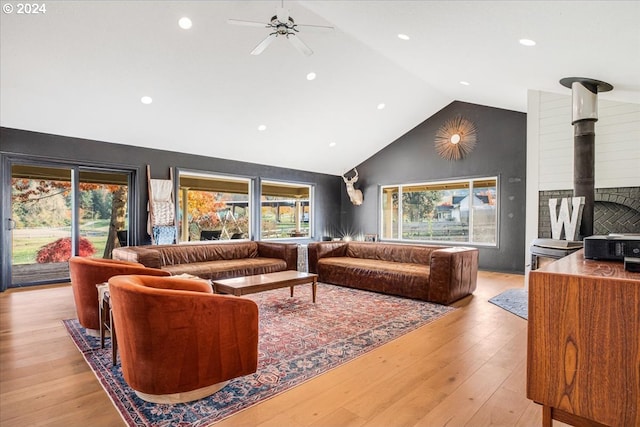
515, 301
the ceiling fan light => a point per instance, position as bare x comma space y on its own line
282, 24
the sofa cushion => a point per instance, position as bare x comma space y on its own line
189, 254
229, 268
391, 252
394, 278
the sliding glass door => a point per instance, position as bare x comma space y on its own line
41, 218
102, 212
57, 211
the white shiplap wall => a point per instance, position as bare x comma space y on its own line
617, 143
550, 149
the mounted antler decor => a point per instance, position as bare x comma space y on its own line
354, 194
455, 138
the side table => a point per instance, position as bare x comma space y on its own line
106, 320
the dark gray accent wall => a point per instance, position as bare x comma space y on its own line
14, 142
500, 151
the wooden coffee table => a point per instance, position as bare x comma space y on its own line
265, 282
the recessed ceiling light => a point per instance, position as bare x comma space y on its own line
381, 106
311, 76
403, 37
332, 144
464, 83
146, 100
185, 23
262, 127
527, 42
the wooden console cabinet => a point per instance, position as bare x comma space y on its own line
583, 350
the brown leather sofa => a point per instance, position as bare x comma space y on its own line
178, 341
438, 274
214, 260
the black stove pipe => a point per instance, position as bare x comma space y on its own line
585, 115
584, 138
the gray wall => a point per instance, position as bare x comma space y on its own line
500, 150
42, 146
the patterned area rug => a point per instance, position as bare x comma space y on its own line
515, 301
298, 341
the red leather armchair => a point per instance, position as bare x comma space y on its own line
178, 341
86, 273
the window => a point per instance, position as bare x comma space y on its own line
285, 210
59, 210
453, 211
213, 207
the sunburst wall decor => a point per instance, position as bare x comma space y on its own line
455, 139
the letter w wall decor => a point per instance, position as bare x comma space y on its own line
570, 221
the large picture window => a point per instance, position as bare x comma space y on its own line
213, 207
285, 209
452, 211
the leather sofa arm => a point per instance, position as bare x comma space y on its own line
317, 250
144, 256
285, 251
453, 274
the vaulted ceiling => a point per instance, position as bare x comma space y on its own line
81, 68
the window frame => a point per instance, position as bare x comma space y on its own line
7, 161
288, 183
213, 176
469, 182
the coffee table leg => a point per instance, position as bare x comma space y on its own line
313, 289
291, 287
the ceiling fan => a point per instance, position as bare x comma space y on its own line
281, 24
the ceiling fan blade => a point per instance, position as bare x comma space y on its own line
299, 44
263, 45
247, 23
308, 27
282, 14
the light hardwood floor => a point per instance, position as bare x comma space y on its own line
466, 369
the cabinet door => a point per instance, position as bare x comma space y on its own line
583, 349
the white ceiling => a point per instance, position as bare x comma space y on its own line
81, 68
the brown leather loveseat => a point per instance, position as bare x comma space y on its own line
438, 274
214, 260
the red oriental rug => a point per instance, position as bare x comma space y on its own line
298, 341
